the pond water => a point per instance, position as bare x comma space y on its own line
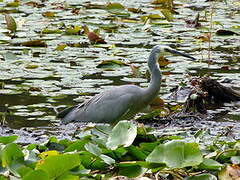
36, 80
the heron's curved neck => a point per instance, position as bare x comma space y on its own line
153, 89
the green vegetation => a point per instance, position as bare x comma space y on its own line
126, 150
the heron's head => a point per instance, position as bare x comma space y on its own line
161, 50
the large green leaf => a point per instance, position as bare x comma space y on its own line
93, 148
210, 164
38, 174
3, 177
10, 154
90, 161
132, 171
77, 145
8, 139
176, 154
107, 159
57, 165
201, 177
123, 134
68, 177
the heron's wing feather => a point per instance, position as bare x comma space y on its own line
106, 107
64, 115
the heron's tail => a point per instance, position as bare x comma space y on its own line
65, 115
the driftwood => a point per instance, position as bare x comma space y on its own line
207, 92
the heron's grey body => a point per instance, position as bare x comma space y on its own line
121, 102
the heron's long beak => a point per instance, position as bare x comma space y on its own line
181, 54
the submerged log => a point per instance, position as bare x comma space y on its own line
207, 92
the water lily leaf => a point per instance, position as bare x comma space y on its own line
48, 153
50, 31
34, 43
68, 177
167, 14
123, 134
60, 47
202, 177
93, 148
13, 4
9, 56
90, 161
73, 30
11, 153
11, 23
225, 32
159, 1
76, 145
136, 152
117, 9
176, 154
31, 66
132, 171
107, 159
8, 139
136, 10
56, 166
210, 164
36, 174
24, 170
111, 64
235, 159
3, 177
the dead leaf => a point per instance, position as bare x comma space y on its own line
223, 32
94, 38
48, 14
231, 172
157, 103
166, 3
136, 10
34, 89
204, 38
135, 71
162, 61
34, 4
193, 23
34, 43
11, 23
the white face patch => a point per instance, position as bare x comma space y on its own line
162, 51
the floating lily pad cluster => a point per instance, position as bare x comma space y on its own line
127, 150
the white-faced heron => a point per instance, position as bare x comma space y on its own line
121, 102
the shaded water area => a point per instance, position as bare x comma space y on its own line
36, 80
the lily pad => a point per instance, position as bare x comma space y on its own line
123, 134
176, 154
